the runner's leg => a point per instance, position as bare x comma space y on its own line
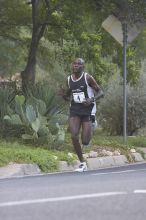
86, 132
75, 124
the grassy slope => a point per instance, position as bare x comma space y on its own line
48, 159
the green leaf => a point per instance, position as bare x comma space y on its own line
20, 99
27, 137
43, 131
30, 113
14, 119
36, 125
7, 117
37, 104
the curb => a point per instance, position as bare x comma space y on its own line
17, 170
14, 169
102, 162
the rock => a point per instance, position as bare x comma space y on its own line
116, 153
137, 157
103, 152
132, 150
93, 154
109, 153
85, 156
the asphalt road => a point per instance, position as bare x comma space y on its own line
106, 194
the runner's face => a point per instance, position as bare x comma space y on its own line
77, 66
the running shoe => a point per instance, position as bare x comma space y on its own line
82, 167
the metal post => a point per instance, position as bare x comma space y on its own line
124, 27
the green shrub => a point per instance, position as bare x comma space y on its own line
47, 160
110, 109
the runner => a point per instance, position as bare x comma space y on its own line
84, 91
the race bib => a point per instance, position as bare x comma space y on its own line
79, 97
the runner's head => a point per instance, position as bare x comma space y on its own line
78, 65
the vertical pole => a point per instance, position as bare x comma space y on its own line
124, 27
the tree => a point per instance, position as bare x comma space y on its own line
57, 16
12, 41
74, 26
28, 75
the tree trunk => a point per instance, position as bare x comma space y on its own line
28, 74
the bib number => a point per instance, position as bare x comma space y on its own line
79, 97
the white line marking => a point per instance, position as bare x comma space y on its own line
140, 191
117, 172
57, 199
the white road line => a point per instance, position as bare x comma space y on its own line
57, 199
118, 172
140, 191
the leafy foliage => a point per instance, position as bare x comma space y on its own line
71, 30
111, 107
31, 116
7, 94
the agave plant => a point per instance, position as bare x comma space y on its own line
30, 114
42, 91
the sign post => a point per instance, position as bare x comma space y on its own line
124, 28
